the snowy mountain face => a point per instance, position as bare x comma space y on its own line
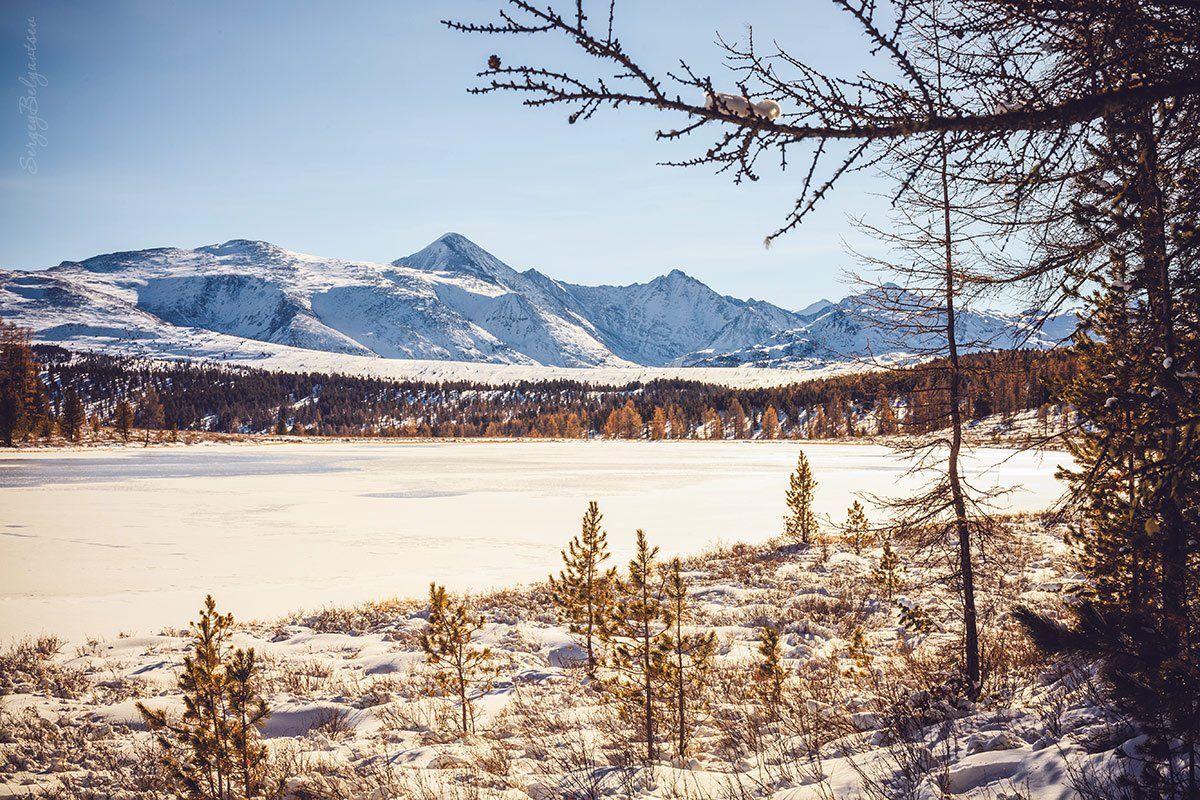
879, 325
451, 301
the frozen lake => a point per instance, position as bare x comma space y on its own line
131, 540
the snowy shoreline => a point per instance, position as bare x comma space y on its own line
349, 689
206, 439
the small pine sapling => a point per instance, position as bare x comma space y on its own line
857, 529
914, 619
687, 658
887, 573
859, 652
463, 668
248, 711
769, 672
214, 751
800, 524
583, 590
637, 632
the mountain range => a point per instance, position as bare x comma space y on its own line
451, 301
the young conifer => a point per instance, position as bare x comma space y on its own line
857, 528
859, 652
214, 751
248, 710
583, 589
800, 524
770, 423
150, 410
687, 657
887, 572
74, 416
637, 631
124, 419
658, 424
769, 672
463, 668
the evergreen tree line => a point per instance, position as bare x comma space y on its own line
78, 391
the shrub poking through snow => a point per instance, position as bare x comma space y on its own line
914, 619
29, 666
215, 750
800, 524
859, 652
463, 668
583, 590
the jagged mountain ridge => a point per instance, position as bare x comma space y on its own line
865, 326
451, 301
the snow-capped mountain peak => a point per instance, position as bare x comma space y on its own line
455, 253
815, 307
247, 249
450, 301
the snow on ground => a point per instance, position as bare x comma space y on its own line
747, 377
219, 348
96, 543
355, 712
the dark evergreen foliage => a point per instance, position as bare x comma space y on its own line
198, 396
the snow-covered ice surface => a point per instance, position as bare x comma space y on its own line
132, 539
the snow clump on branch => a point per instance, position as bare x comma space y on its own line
739, 106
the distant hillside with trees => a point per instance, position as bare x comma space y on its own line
74, 392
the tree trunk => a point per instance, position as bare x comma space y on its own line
679, 689
462, 691
648, 677
591, 614
1158, 282
961, 523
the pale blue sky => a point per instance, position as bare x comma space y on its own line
345, 130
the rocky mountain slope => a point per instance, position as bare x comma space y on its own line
866, 326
